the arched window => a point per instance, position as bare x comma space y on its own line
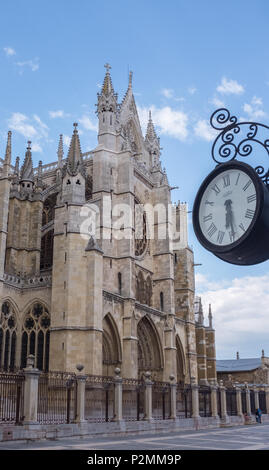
35, 336
88, 187
119, 283
46, 254
161, 301
48, 209
8, 337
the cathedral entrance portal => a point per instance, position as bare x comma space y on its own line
150, 356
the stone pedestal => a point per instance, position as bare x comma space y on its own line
80, 411
224, 416
30, 391
214, 405
195, 398
117, 396
148, 397
239, 402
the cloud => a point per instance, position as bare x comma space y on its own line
9, 51
88, 124
33, 129
217, 102
58, 114
32, 64
254, 109
170, 122
240, 313
203, 130
167, 92
21, 123
230, 87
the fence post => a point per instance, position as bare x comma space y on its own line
117, 395
267, 398
30, 391
224, 415
148, 397
248, 404
195, 398
214, 406
80, 397
238, 400
256, 396
173, 398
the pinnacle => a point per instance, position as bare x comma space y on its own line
74, 152
150, 134
107, 88
27, 172
8, 149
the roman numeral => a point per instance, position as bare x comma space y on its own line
232, 234
251, 198
211, 230
247, 185
209, 203
237, 179
242, 227
249, 214
220, 237
216, 189
207, 217
226, 181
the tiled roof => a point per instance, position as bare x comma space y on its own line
233, 365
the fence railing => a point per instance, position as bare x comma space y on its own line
99, 399
11, 397
62, 397
56, 398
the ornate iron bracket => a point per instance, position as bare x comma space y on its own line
236, 139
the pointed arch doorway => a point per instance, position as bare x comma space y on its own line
150, 356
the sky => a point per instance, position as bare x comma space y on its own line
188, 57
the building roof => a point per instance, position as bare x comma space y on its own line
235, 365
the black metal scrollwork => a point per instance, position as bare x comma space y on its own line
236, 139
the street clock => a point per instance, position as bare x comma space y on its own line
231, 208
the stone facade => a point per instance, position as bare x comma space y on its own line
103, 300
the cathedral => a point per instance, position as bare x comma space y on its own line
110, 297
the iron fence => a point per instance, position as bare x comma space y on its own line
183, 402
99, 399
57, 394
133, 399
205, 401
11, 397
231, 402
252, 402
244, 401
161, 404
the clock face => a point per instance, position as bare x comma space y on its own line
227, 207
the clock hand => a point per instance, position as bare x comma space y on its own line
229, 217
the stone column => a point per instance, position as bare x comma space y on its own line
248, 400
214, 405
173, 397
256, 396
117, 395
224, 416
195, 398
30, 391
148, 397
80, 410
238, 401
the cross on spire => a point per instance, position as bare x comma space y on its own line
107, 67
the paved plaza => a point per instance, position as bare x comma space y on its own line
254, 437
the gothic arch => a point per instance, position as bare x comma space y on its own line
112, 354
150, 355
181, 366
36, 335
8, 335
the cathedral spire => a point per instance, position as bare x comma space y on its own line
107, 108
210, 317
74, 152
200, 313
107, 88
152, 143
27, 172
60, 151
150, 134
7, 160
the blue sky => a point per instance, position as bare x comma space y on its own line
188, 58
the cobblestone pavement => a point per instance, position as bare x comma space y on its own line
255, 437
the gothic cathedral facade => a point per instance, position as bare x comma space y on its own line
103, 300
